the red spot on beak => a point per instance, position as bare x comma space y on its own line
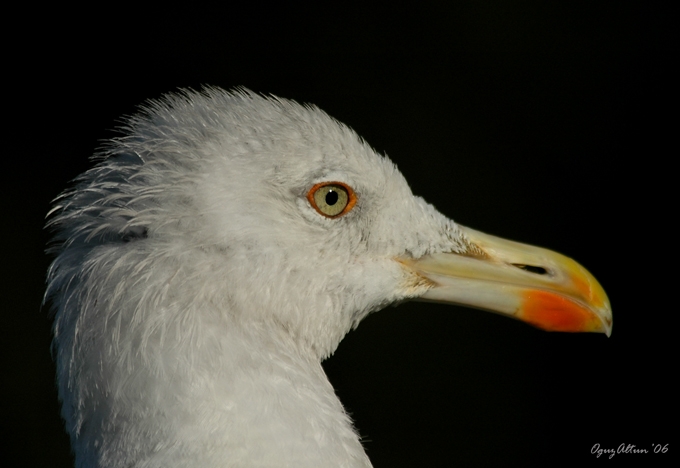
554, 312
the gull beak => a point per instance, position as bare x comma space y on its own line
535, 285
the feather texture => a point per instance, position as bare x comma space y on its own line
196, 291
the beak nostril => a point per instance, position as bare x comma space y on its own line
531, 268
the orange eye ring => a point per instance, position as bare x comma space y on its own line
332, 199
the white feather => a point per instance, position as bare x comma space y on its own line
196, 290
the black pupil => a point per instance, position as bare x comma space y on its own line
331, 197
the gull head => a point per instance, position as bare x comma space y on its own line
223, 220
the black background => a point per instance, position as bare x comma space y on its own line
544, 122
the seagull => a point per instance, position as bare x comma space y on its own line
221, 248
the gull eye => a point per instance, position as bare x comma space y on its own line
332, 199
